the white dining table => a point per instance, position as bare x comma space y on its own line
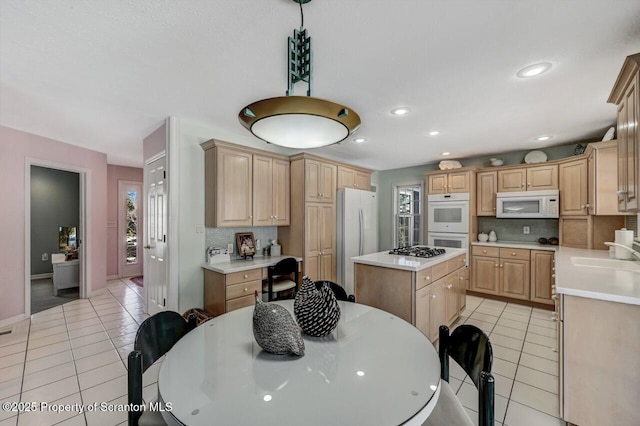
373, 369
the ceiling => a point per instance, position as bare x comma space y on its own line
104, 74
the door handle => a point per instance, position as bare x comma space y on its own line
147, 247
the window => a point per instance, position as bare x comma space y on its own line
131, 217
408, 215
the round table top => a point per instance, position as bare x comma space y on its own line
373, 369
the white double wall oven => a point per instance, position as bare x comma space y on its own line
448, 220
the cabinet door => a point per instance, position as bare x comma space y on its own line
234, 206
514, 278
327, 242
437, 307
312, 177
573, 188
363, 180
423, 299
451, 298
542, 271
312, 267
632, 117
621, 131
512, 180
346, 177
575, 231
487, 183
437, 183
281, 193
542, 177
485, 275
328, 185
313, 247
458, 182
591, 183
262, 190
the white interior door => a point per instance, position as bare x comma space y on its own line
155, 280
130, 228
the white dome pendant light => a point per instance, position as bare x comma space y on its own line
301, 122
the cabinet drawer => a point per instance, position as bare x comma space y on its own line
244, 289
439, 271
485, 251
455, 263
424, 278
244, 276
510, 253
240, 302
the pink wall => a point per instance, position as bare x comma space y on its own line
15, 146
156, 142
115, 174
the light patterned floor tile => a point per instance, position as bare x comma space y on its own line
504, 368
539, 350
106, 391
52, 391
509, 332
48, 375
101, 374
521, 415
533, 397
49, 417
538, 363
536, 378
506, 354
543, 331
505, 322
47, 362
97, 360
101, 418
85, 351
507, 342
541, 340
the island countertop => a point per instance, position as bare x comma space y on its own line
408, 263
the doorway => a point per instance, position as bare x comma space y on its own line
155, 262
130, 231
54, 260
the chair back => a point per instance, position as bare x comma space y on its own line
286, 266
471, 349
155, 336
338, 290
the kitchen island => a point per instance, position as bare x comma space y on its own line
426, 292
599, 337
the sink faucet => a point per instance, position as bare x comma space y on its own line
633, 252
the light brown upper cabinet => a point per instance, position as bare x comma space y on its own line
626, 96
244, 186
449, 182
320, 181
271, 197
487, 183
602, 165
353, 178
573, 188
533, 178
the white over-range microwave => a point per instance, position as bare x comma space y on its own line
528, 204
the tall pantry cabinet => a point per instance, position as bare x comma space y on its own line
313, 215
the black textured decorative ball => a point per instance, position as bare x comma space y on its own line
316, 309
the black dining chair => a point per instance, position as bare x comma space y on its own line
156, 335
470, 348
279, 278
338, 290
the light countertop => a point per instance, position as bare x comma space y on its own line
595, 283
238, 265
409, 263
516, 244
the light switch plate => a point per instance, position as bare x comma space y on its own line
230, 248
526, 230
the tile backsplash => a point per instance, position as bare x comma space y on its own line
511, 229
220, 237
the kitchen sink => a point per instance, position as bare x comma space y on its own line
620, 265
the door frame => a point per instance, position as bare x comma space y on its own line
85, 199
141, 223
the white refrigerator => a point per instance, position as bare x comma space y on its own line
357, 229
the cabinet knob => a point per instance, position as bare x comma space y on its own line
433, 296
246, 289
450, 285
553, 275
275, 217
528, 183
495, 265
427, 277
501, 266
484, 251
554, 297
250, 217
461, 278
246, 276
522, 184
513, 254
494, 208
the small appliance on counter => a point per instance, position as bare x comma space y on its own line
217, 255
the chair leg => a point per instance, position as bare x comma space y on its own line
134, 379
443, 343
486, 403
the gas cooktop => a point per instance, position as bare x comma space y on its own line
418, 251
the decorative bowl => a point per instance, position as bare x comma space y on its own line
482, 237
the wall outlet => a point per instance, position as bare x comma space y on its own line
526, 230
45, 257
230, 248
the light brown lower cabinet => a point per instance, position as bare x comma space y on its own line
514, 273
599, 362
428, 298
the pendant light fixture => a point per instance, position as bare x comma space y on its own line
301, 122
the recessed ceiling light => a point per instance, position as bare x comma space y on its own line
533, 70
446, 153
359, 140
434, 133
401, 111
544, 138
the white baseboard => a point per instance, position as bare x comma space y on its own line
12, 320
42, 276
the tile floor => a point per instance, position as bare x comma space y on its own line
76, 354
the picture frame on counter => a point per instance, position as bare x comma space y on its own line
246, 244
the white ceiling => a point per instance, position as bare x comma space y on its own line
103, 74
